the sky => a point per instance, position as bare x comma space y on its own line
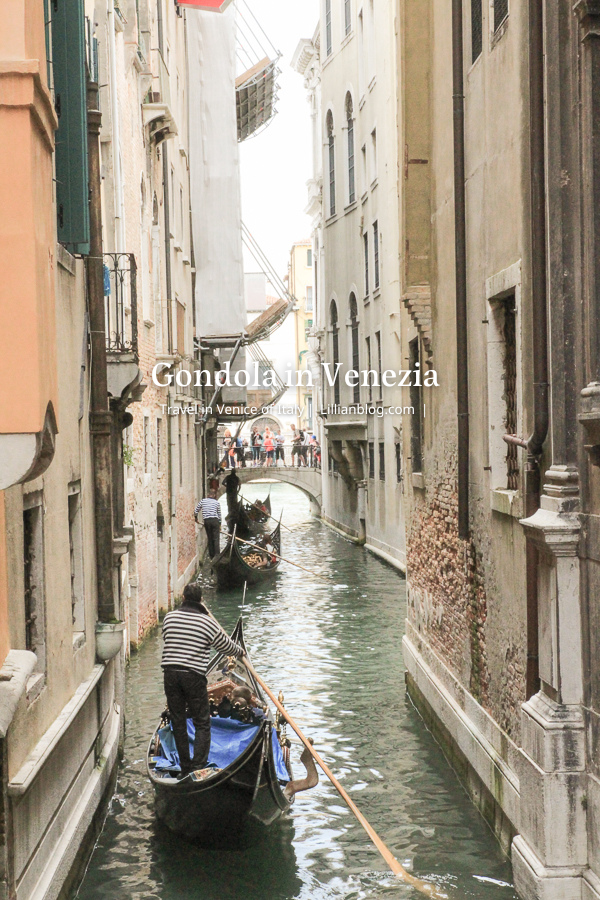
277, 163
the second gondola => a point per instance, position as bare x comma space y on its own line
252, 561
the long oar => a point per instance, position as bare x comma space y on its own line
264, 513
272, 553
423, 886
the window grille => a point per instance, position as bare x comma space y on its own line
398, 462
510, 392
371, 460
351, 172
376, 253
381, 461
416, 401
476, 29
34, 578
335, 340
331, 141
348, 16
366, 245
328, 37
500, 13
355, 348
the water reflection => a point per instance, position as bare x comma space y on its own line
335, 650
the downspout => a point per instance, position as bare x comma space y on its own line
538, 228
100, 416
116, 133
460, 247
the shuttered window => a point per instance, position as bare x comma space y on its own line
500, 13
476, 29
71, 153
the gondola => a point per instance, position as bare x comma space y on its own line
255, 780
232, 569
256, 514
249, 519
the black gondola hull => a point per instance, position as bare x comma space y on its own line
232, 571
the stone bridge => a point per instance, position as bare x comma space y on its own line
305, 479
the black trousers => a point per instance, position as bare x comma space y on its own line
186, 690
213, 534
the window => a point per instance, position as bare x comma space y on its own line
379, 366
366, 247
361, 54
381, 461
376, 253
76, 553
374, 154
476, 29
510, 391
328, 38
146, 445
70, 102
159, 445
370, 380
331, 155
308, 324
309, 299
180, 436
309, 258
355, 348
398, 462
416, 401
371, 460
347, 16
181, 206
335, 342
309, 412
500, 13
34, 578
351, 175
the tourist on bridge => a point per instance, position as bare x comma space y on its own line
211, 518
269, 445
305, 445
297, 437
279, 448
189, 633
256, 441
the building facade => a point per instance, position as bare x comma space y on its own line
499, 293
300, 280
349, 68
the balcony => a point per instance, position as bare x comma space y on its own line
121, 323
157, 108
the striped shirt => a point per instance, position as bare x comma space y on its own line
211, 509
188, 636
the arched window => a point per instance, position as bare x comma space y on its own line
350, 124
331, 154
335, 348
355, 350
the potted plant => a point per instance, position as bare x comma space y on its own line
109, 639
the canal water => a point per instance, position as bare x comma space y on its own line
334, 648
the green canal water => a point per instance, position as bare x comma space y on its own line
334, 649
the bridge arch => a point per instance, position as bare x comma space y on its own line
305, 479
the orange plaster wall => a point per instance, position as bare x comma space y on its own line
4, 642
27, 226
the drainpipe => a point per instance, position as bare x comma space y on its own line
538, 227
460, 246
116, 133
100, 416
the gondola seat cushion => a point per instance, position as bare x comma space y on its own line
228, 740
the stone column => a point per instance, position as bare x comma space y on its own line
550, 855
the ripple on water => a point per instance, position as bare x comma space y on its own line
335, 651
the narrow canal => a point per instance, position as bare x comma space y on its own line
335, 651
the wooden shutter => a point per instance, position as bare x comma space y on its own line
70, 84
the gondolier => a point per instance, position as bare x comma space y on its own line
188, 635
211, 518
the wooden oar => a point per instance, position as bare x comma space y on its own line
423, 886
260, 509
272, 553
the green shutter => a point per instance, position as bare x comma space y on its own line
70, 88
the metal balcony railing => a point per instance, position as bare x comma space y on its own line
120, 303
